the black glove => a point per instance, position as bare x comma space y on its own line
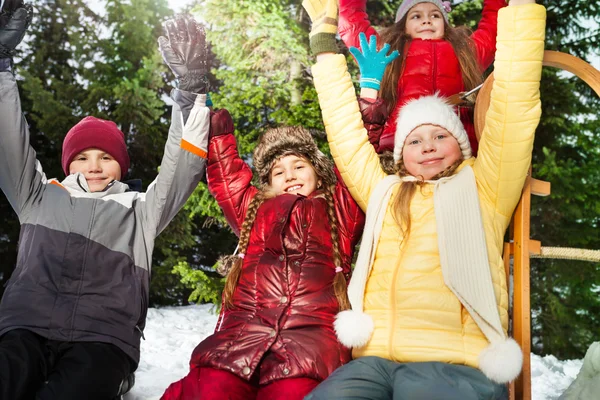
12, 32
184, 51
8, 8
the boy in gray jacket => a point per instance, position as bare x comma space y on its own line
74, 309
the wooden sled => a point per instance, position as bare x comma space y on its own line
521, 247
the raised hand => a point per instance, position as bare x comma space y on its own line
221, 123
184, 50
372, 63
7, 8
13, 30
324, 17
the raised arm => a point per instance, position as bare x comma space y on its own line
21, 176
372, 65
484, 36
229, 177
353, 21
374, 114
515, 109
354, 156
184, 160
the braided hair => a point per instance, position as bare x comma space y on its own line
340, 284
232, 265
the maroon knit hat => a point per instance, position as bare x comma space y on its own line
96, 133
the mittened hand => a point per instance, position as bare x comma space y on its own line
8, 7
372, 63
221, 123
184, 50
324, 17
13, 29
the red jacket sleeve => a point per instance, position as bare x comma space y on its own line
354, 20
374, 114
229, 178
351, 221
484, 36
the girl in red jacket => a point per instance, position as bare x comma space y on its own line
274, 338
434, 56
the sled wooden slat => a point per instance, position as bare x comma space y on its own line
574, 65
540, 188
521, 296
535, 246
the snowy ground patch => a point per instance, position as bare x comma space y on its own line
173, 332
171, 335
550, 377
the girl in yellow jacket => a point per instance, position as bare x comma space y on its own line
429, 297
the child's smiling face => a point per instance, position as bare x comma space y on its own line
429, 150
293, 174
425, 21
97, 166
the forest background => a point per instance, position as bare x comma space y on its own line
77, 62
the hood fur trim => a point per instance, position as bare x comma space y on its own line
278, 142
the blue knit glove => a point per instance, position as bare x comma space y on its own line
372, 63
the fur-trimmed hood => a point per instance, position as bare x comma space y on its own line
277, 142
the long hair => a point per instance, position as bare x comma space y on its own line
401, 204
340, 285
232, 265
459, 37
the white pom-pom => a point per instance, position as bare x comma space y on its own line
501, 361
353, 328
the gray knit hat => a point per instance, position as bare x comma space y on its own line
406, 5
290, 140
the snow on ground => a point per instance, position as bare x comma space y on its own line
171, 335
173, 332
550, 377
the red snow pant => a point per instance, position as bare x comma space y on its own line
216, 384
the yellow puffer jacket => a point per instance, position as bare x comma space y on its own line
417, 318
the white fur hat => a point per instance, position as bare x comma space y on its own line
429, 110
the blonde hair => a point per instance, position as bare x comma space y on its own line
401, 204
459, 38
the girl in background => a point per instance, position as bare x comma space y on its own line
435, 57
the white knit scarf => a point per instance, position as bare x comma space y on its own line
461, 242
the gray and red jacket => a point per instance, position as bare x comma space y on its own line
281, 324
84, 258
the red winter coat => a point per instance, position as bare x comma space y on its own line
430, 66
281, 325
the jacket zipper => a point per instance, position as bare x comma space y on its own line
434, 66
